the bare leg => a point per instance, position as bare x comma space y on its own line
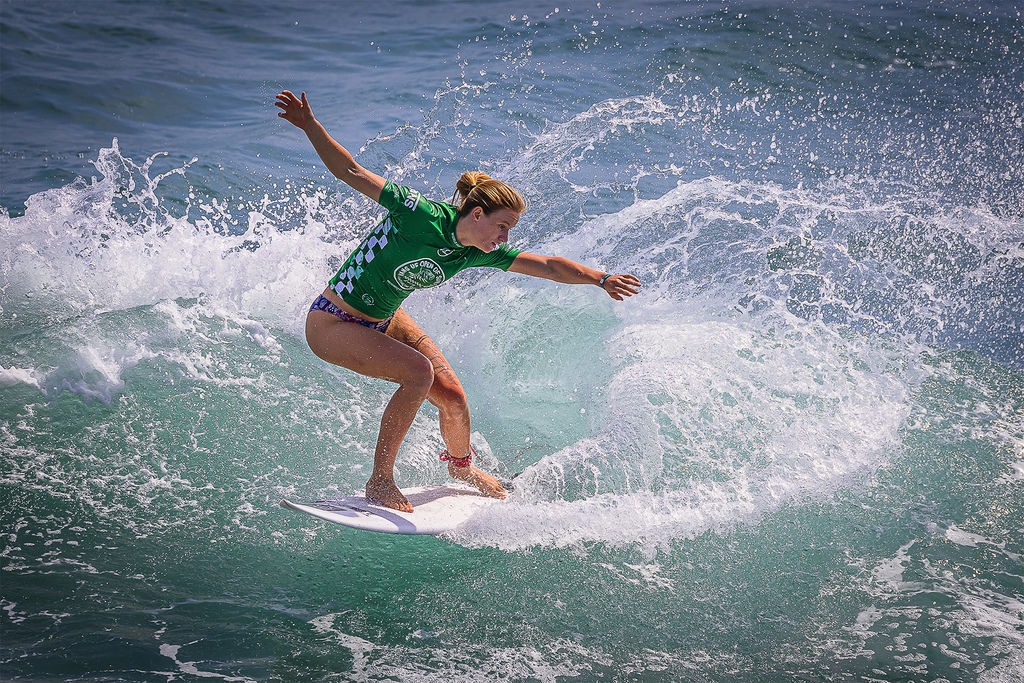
448, 395
371, 353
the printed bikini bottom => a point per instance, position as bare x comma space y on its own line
324, 304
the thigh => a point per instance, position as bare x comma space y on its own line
363, 350
404, 329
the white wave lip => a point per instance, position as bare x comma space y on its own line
111, 243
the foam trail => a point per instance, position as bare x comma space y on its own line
706, 425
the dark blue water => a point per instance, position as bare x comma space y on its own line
799, 453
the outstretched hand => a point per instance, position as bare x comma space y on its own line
296, 111
621, 286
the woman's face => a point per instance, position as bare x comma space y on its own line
488, 230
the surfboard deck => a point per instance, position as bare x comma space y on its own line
436, 510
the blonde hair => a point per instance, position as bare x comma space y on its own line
479, 189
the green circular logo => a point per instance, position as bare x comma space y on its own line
419, 274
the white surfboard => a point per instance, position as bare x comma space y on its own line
436, 509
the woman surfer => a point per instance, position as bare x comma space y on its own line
358, 322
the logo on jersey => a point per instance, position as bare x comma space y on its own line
444, 252
412, 199
419, 274
367, 299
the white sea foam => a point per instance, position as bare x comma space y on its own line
747, 375
118, 247
9, 377
704, 425
720, 394
771, 361
888, 574
439, 661
100, 370
1016, 473
901, 616
1007, 671
190, 668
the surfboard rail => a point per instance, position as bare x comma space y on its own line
436, 510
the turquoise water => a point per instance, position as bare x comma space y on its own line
799, 453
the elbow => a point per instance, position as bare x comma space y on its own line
351, 175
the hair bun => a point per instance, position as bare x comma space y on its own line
487, 193
469, 180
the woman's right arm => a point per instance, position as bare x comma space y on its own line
337, 159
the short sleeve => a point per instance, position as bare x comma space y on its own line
401, 199
418, 218
502, 257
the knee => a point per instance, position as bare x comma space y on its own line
420, 375
451, 397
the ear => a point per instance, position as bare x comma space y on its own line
478, 212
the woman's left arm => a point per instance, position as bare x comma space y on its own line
563, 270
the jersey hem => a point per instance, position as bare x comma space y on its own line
357, 305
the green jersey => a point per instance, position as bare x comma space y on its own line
414, 247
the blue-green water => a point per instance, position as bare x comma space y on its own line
799, 453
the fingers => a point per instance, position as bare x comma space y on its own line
294, 110
287, 98
621, 286
626, 284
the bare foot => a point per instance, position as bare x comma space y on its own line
385, 492
487, 484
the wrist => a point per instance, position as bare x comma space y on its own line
603, 279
